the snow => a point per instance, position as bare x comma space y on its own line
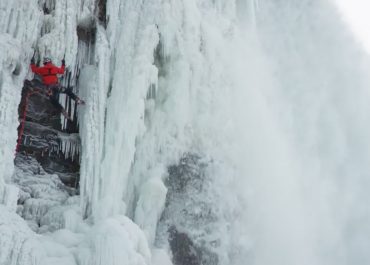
272, 97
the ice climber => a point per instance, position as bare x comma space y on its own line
50, 83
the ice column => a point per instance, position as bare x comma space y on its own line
94, 83
132, 71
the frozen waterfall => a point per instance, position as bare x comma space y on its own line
225, 132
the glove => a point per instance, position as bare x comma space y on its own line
33, 60
63, 62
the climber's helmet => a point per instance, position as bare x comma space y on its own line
46, 60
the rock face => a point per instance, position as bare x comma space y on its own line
43, 138
39, 192
189, 217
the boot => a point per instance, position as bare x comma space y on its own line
80, 101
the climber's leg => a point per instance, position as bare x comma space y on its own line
69, 92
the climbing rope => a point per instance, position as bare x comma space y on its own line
23, 121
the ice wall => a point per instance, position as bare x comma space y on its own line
19, 22
18, 31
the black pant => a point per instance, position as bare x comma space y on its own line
56, 91
53, 92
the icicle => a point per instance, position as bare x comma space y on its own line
73, 104
69, 145
72, 151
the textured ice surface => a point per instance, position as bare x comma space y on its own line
18, 29
39, 191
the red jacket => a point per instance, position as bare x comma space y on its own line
48, 72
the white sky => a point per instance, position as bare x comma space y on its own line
357, 14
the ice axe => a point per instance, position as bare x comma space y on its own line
33, 57
35, 54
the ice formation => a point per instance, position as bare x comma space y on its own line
18, 29
70, 145
237, 129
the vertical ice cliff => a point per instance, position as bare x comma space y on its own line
215, 132
19, 22
18, 29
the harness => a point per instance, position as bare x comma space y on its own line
49, 74
24, 115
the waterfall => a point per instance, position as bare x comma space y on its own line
214, 132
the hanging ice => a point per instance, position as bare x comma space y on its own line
70, 145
